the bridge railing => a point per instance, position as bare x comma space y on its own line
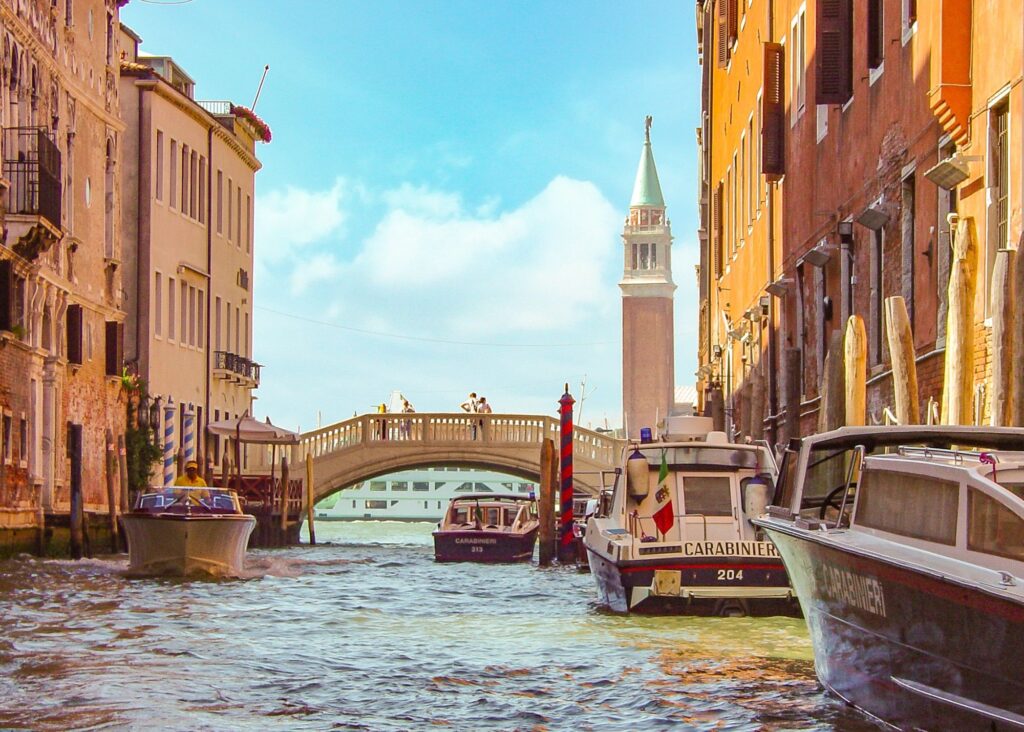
370, 430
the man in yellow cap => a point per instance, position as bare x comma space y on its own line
191, 478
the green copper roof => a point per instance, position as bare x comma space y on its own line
647, 189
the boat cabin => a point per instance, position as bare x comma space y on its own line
709, 490
178, 498
957, 491
490, 511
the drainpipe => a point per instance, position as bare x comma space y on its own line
773, 328
142, 233
209, 285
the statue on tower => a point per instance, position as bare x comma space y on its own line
647, 127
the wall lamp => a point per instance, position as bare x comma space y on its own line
780, 287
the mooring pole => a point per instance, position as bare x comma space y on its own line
546, 502
111, 467
567, 540
77, 517
309, 498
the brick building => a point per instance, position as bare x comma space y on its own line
61, 317
888, 117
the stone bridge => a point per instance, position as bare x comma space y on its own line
370, 445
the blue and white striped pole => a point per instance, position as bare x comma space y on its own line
169, 412
188, 440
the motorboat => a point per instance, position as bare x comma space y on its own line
487, 527
906, 549
672, 533
184, 531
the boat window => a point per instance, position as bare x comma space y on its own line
787, 478
824, 479
707, 495
421, 486
399, 485
483, 488
510, 516
465, 488
438, 485
459, 515
916, 506
525, 487
378, 485
376, 504
993, 528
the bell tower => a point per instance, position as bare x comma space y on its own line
648, 364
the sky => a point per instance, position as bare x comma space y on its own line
441, 206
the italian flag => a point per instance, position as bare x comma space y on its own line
664, 516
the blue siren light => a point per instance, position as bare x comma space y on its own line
645, 435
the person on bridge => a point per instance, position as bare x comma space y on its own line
482, 406
382, 424
470, 405
406, 426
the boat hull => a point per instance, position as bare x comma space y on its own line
162, 544
694, 585
915, 649
483, 546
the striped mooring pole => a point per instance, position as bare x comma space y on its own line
567, 540
169, 412
188, 438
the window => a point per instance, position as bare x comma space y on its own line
999, 187
248, 354
220, 202
23, 440
170, 308
74, 333
822, 121
159, 165
798, 67
993, 528
654, 256
877, 312
202, 190
707, 495
8, 428
376, 504
921, 507
238, 339
833, 54
191, 316
185, 177
876, 36
744, 202
399, 485
200, 321
378, 485
734, 206
773, 112
216, 324
751, 171
227, 336
909, 18
184, 313
114, 348
230, 218
907, 225
193, 187
248, 224
420, 486
643, 256
238, 216
174, 174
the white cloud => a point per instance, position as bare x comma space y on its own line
322, 267
294, 218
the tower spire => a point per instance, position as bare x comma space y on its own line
647, 188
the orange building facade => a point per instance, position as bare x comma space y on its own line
879, 126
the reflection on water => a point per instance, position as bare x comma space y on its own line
368, 633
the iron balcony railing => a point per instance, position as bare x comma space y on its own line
32, 164
216, 107
226, 361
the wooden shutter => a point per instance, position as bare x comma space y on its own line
115, 347
719, 239
876, 42
723, 33
7, 293
773, 113
834, 51
732, 11
74, 318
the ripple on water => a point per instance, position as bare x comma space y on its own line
370, 633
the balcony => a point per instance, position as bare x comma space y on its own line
31, 162
232, 367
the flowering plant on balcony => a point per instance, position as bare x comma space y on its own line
262, 128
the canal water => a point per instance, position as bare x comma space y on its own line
368, 633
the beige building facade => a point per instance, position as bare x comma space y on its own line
188, 233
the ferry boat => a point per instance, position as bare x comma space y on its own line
185, 531
415, 495
906, 548
488, 527
673, 533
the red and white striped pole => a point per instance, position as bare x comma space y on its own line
567, 540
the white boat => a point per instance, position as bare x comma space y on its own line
186, 531
672, 534
906, 548
415, 495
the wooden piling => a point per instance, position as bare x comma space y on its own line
225, 467
309, 498
284, 500
717, 399
904, 365
958, 379
122, 474
77, 517
855, 363
546, 504
1003, 302
111, 465
832, 412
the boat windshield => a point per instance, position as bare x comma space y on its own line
700, 456
182, 496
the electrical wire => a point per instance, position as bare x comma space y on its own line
425, 339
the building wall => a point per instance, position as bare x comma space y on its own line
648, 386
191, 234
59, 76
